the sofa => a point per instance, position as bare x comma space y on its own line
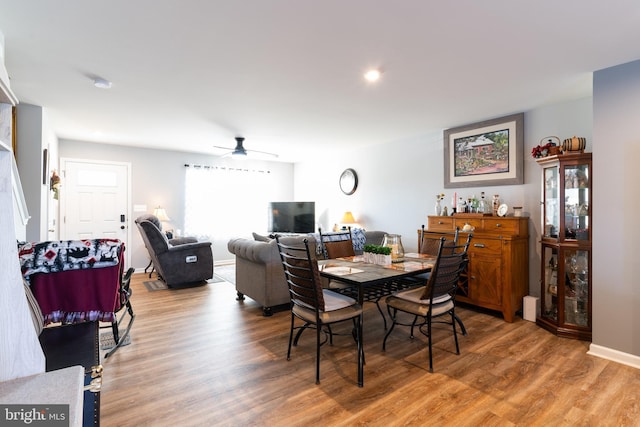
259, 272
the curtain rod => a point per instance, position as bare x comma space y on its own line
224, 168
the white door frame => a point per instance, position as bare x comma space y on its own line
63, 202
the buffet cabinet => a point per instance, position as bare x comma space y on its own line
497, 276
565, 307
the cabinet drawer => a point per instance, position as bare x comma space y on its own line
485, 247
476, 223
502, 226
440, 223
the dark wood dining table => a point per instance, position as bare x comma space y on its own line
355, 272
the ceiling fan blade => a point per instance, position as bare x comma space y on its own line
263, 152
239, 149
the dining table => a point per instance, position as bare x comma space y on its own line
384, 279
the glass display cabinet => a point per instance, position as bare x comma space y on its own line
565, 293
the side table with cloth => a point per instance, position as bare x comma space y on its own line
77, 281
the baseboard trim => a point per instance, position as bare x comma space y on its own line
614, 355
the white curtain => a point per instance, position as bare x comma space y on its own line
223, 202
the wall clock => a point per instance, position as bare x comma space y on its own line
348, 181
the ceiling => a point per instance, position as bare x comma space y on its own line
287, 74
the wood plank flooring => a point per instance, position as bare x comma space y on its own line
198, 357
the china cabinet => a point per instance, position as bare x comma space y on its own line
565, 292
497, 276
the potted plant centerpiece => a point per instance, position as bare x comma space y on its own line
376, 254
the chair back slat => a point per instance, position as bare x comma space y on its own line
431, 245
302, 275
451, 261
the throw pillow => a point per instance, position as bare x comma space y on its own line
260, 238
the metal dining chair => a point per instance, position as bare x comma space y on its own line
318, 308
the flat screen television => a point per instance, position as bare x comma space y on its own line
292, 217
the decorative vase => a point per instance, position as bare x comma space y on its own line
438, 208
394, 241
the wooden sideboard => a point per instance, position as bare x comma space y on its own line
497, 276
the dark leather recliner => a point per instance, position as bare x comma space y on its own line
180, 261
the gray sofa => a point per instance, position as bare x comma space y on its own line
259, 272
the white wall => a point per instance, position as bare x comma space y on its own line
398, 181
158, 179
616, 132
34, 134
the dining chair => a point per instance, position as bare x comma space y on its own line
337, 245
430, 246
434, 300
318, 308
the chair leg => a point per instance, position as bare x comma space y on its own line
413, 325
384, 319
302, 328
463, 330
393, 324
318, 331
290, 339
455, 334
430, 348
360, 351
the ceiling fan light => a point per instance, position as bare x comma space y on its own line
101, 83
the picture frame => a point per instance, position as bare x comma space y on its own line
486, 153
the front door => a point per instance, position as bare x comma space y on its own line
94, 200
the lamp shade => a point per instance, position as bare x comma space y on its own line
348, 218
161, 214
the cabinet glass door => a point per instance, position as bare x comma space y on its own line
576, 202
549, 309
551, 202
576, 288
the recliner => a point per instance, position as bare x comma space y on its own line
177, 264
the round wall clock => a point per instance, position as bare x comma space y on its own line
348, 181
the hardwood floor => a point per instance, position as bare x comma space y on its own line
198, 357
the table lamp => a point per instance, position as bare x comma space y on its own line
162, 216
347, 218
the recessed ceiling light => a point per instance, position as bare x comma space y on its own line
102, 83
373, 75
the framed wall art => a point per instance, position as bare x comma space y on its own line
485, 153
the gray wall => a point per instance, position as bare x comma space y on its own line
158, 179
398, 181
616, 130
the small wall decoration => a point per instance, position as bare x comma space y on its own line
485, 153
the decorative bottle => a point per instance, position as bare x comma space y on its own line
438, 207
496, 203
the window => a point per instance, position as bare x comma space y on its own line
222, 202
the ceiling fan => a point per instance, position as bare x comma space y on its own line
240, 152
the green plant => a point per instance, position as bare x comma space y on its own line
377, 249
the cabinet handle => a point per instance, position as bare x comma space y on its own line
478, 245
498, 225
439, 222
